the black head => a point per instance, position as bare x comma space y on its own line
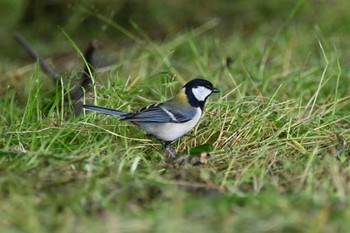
198, 90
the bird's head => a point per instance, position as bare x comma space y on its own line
198, 90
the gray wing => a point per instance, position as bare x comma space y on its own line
157, 113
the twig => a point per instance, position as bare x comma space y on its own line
77, 89
36, 56
84, 78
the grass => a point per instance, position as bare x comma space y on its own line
278, 129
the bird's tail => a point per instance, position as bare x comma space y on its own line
103, 110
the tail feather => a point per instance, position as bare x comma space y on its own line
103, 110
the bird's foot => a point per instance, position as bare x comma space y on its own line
170, 151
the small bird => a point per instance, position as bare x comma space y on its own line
167, 121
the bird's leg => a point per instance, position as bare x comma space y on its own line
168, 149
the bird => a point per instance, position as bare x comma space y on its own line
169, 120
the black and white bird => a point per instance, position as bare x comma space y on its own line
167, 121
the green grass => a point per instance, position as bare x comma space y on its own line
275, 130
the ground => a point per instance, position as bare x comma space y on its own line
276, 134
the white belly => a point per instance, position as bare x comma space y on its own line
171, 131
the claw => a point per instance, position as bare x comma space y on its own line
170, 151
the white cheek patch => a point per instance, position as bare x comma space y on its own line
201, 93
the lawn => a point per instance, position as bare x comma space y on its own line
277, 133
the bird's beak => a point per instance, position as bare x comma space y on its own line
215, 90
